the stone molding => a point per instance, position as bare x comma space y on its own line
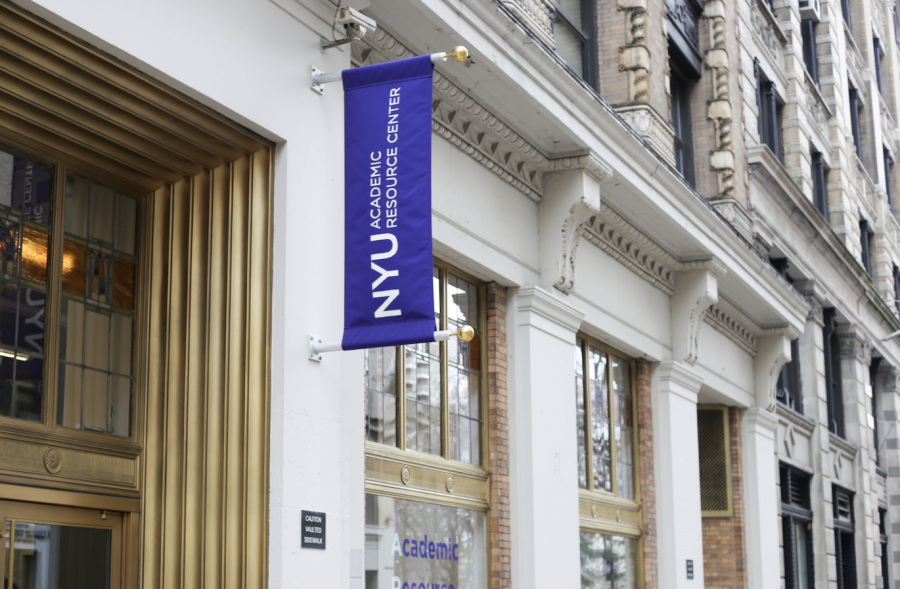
686, 382
736, 215
534, 303
733, 324
637, 252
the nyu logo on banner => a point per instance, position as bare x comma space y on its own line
388, 297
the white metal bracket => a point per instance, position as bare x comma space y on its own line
314, 84
314, 354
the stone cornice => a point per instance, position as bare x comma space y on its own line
478, 132
733, 324
637, 252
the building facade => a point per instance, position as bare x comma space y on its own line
680, 211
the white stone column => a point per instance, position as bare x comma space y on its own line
760, 481
677, 469
543, 442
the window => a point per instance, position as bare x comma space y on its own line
575, 34
415, 544
604, 398
789, 390
679, 86
714, 446
94, 286
820, 194
896, 26
810, 58
855, 106
897, 288
607, 440
796, 526
770, 118
833, 390
441, 383
879, 58
873, 376
888, 171
885, 555
843, 538
865, 245
608, 561
845, 11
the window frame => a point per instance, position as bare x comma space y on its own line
820, 183
888, 167
770, 114
600, 511
855, 107
632, 368
441, 461
792, 514
588, 37
47, 426
844, 528
810, 57
683, 133
865, 245
833, 388
885, 547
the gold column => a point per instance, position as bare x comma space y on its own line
205, 508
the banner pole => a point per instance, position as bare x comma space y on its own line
317, 347
459, 54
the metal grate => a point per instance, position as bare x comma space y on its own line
711, 436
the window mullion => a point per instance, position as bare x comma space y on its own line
445, 389
54, 288
613, 451
588, 416
400, 368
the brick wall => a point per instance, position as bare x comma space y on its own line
498, 436
723, 537
648, 484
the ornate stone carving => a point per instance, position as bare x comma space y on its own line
770, 37
851, 345
618, 238
587, 162
731, 322
888, 378
736, 216
634, 56
53, 460
790, 441
573, 228
719, 109
696, 290
773, 352
684, 15
649, 125
405, 475
537, 14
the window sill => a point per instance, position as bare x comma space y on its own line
880, 472
795, 417
842, 444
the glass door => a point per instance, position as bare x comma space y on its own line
52, 547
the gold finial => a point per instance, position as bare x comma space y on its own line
466, 333
459, 53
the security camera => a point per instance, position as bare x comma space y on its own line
356, 24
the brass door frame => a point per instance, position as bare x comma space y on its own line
32, 513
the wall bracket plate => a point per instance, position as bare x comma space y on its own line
320, 88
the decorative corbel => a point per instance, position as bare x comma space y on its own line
571, 200
773, 351
573, 228
696, 290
